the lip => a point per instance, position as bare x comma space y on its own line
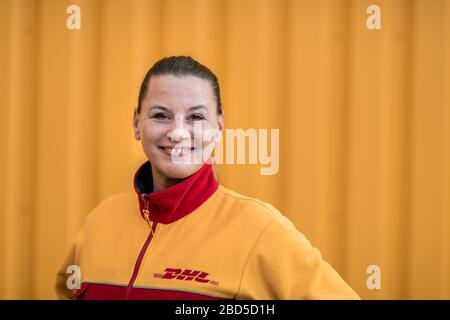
168, 150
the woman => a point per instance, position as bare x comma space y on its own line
180, 234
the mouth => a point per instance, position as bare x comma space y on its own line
178, 151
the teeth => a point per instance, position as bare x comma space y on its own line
178, 149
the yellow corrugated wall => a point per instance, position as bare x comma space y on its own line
363, 115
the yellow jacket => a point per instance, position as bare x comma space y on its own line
195, 240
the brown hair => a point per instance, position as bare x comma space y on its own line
180, 66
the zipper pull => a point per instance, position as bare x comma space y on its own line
147, 218
146, 213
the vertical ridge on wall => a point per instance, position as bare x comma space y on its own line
5, 101
426, 206
387, 155
51, 143
445, 291
445, 214
117, 97
345, 145
340, 103
326, 74
4, 88
268, 106
18, 205
406, 142
331, 126
83, 114
363, 159
238, 86
302, 118
392, 109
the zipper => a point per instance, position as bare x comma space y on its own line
152, 226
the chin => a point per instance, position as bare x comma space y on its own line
177, 171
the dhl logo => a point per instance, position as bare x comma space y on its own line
186, 275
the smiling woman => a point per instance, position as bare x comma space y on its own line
180, 234
169, 106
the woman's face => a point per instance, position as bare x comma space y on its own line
173, 106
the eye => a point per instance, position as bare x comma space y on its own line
197, 116
160, 116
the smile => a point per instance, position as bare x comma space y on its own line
176, 150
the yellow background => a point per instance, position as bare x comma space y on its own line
363, 115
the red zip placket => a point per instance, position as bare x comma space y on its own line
152, 225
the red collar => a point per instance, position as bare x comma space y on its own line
174, 202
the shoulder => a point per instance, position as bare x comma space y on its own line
122, 199
257, 212
113, 207
272, 233
251, 204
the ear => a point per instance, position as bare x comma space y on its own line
219, 128
137, 134
220, 123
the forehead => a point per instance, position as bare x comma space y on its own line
179, 91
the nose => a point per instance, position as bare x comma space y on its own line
177, 132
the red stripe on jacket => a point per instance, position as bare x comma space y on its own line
96, 291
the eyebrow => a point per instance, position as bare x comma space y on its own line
200, 106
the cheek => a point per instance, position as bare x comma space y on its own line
152, 133
207, 136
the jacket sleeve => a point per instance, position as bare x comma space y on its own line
71, 258
283, 265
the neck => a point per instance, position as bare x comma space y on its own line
161, 182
